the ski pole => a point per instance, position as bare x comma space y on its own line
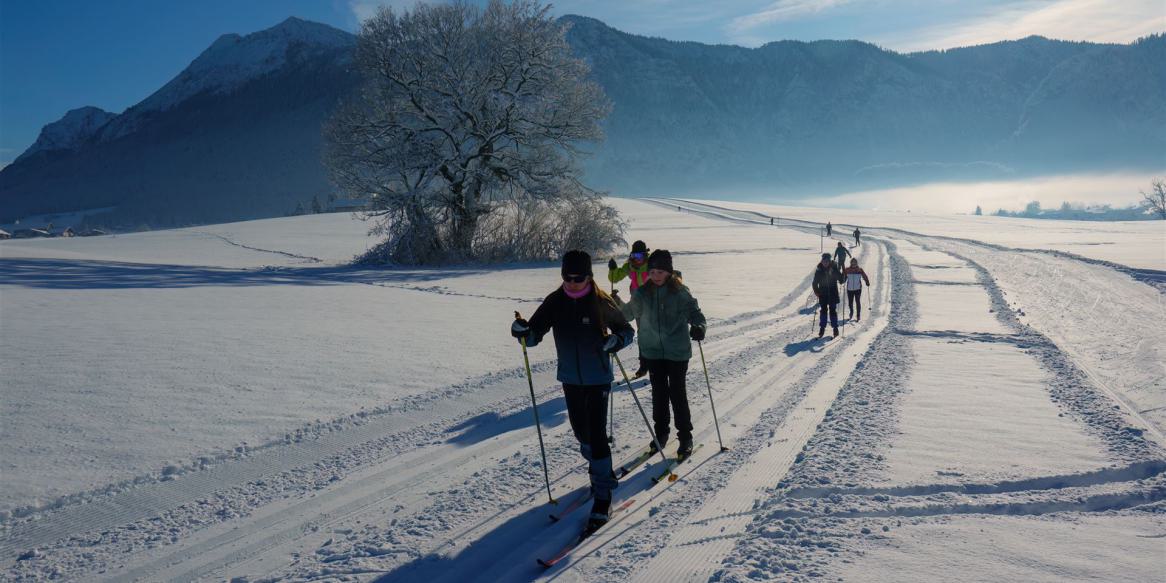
709, 385
534, 407
660, 448
611, 395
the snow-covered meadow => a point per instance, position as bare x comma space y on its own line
234, 401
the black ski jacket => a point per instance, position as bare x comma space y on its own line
826, 281
578, 339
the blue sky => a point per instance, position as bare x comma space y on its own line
57, 55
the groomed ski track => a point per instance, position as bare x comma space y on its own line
393, 499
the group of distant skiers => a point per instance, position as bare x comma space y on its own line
589, 325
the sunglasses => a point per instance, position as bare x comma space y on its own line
638, 256
575, 278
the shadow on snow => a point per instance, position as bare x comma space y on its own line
94, 274
812, 345
552, 413
516, 543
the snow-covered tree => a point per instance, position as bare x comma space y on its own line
468, 119
1155, 200
979, 211
316, 208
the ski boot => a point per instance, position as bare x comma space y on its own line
836, 331
821, 331
599, 516
685, 449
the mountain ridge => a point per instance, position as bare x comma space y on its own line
788, 117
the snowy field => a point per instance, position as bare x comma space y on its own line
1137, 244
232, 402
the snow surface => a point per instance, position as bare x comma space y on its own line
1138, 244
233, 402
1105, 547
978, 411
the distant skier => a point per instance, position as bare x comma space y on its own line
669, 319
825, 285
840, 255
855, 276
856, 235
581, 314
829, 228
635, 268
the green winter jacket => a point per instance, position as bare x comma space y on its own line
663, 316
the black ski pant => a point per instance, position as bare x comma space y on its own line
825, 304
854, 300
587, 412
667, 377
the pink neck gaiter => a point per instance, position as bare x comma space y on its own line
579, 294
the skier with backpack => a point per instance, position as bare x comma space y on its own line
636, 269
668, 319
825, 286
840, 255
581, 315
855, 276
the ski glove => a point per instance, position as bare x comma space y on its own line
611, 345
612, 265
520, 329
696, 333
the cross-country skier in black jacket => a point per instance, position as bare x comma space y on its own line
826, 280
581, 314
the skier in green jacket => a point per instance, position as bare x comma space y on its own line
668, 319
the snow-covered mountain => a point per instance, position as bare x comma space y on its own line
233, 61
236, 135
70, 132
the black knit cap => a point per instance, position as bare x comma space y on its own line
825, 256
577, 263
660, 259
639, 247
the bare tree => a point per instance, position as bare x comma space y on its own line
465, 112
1155, 200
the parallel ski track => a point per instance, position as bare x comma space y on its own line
156, 499
765, 454
1098, 380
388, 486
790, 327
1089, 492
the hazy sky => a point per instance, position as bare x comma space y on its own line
57, 55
